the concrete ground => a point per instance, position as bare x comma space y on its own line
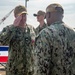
2, 73
2, 70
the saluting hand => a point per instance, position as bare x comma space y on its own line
17, 20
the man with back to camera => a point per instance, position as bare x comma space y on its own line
55, 45
40, 18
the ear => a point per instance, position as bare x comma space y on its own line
49, 15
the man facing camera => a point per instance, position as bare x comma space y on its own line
40, 18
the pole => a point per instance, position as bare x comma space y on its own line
26, 3
6, 16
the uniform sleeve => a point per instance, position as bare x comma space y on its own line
5, 36
42, 55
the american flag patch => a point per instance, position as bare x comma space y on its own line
3, 54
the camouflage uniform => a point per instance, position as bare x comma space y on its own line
38, 29
55, 51
40, 13
20, 49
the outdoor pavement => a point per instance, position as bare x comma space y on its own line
2, 70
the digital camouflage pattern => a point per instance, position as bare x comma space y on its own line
55, 51
20, 41
38, 29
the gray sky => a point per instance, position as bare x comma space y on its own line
33, 6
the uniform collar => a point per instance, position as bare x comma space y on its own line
57, 22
